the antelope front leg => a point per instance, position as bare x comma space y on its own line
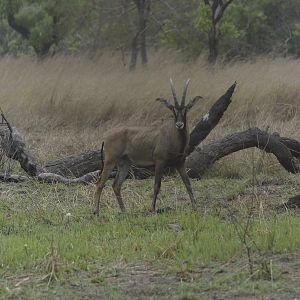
182, 172
158, 174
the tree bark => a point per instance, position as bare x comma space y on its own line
210, 120
292, 145
76, 165
213, 45
203, 157
14, 148
143, 22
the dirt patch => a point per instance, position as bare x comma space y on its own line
143, 281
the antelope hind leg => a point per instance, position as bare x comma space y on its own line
108, 167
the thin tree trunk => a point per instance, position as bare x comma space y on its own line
143, 21
134, 52
139, 40
213, 45
218, 8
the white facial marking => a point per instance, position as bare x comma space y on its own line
206, 117
179, 125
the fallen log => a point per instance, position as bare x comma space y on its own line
90, 161
204, 156
76, 165
292, 145
292, 203
13, 147
201, 159
86, 166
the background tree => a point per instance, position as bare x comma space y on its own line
42, 23
224, 28
217, 8
138, 41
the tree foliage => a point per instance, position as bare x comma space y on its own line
247, 28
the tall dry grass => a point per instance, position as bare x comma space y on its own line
78, 98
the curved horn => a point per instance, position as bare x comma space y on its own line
174, 93
185, 92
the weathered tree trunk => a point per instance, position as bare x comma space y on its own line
203, 157
213, 42
14, 148
143, 21
293, 146
76, 165
86, 166
210, 120
198, 162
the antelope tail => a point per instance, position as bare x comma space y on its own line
102, 161
102, 157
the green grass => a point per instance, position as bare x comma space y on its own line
37, 234
25, 240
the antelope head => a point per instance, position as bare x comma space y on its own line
179, 110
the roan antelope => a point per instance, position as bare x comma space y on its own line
158, 146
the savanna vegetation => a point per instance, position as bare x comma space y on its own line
226, 28
67, 80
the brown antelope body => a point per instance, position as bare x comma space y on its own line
158, 146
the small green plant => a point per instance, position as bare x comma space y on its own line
51, 264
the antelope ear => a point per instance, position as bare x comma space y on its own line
193, 102
166, 103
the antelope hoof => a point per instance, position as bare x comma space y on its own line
96, 212
152, 210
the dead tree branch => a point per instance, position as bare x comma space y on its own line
210, 120
203, 157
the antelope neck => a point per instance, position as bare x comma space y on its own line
183, 135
